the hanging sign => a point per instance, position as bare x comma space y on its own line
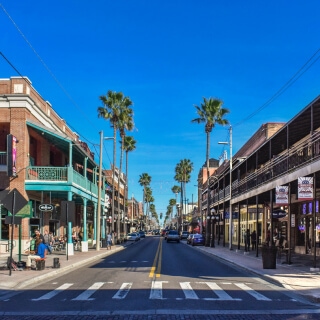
45, 207
305, 188
282, 196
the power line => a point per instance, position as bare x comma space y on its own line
45, 66
306, 66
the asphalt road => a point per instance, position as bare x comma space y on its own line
154, 278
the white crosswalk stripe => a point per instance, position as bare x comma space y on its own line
252, 292
53, 293
85, 296
158, 291
122, 293
222, 295
188, 291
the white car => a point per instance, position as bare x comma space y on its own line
133, 237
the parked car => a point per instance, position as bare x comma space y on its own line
133, 236
173, 235
184, 235
142, 234
197, 240
189, 239
166, 234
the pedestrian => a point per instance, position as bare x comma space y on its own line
254, 240
41, 253
36, 237
48, 240
247, 240
109, 241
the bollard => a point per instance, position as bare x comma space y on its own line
56, 263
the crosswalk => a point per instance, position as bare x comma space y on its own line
161, 290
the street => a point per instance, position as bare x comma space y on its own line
153, 277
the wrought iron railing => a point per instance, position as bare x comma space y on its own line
298, 156
60, 174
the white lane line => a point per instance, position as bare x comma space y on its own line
53, 293
156, 290
123, 291
85, 296
222, 295
188, 291
252, 292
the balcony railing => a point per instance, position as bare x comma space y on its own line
60, 174
296, 157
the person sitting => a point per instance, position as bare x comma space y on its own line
41, 254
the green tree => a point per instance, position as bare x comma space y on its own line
210, 113
144, 181
183, 173
129, 144
116, 110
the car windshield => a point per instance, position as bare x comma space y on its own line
131, 234
173, 232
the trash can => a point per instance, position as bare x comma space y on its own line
56, 263
40, 264
103, 243
269, 257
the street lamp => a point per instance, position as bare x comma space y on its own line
98, 226
230, 205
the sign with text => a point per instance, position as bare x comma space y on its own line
305, 188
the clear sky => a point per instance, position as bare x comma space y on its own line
259, 57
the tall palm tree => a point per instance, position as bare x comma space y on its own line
116, 109
183, 174
210, 113
144, 181
129, 144
176, 190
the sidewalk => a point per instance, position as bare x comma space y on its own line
21, 279
296, 276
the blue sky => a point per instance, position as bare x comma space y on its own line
166, 56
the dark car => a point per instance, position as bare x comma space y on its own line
197, 240
184, 235
142, 234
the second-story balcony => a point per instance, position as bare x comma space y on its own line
47, 177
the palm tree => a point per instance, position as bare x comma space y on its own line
176, 190
183, 170
116, 110
144, 181
210, 113
129, 144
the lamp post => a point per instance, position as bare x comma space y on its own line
230, 205
99, 191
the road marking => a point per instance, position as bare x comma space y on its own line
156, 290
124, 289
53, 293
252, 292
222, 295
156, 266
89, 292
188, 291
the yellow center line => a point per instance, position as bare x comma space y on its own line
156, 266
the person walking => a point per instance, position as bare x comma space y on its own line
109, 239
254, 240
247, 240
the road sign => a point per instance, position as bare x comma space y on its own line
14, 201
45, 207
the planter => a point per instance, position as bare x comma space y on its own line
269, 257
